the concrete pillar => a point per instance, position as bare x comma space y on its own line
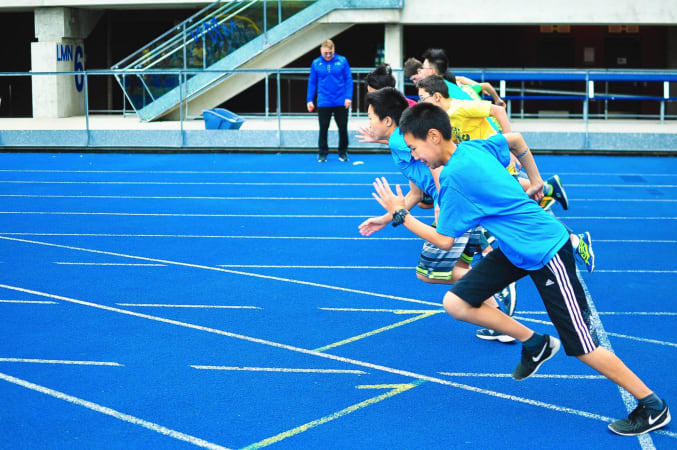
394, 49
60, 48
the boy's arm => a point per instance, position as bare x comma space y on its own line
499, 113
374, 224
489, 89
519, 148
392, 203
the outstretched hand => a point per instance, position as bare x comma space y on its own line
372, 225
390, 200
365, 134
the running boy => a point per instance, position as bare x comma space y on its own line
475, 189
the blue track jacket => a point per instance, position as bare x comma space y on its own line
332, 80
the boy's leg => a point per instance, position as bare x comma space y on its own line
565, 300
464, 302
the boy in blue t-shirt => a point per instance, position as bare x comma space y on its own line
475, 189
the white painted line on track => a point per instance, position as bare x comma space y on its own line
130, 214
634, 271
312, 238
189, 183
329, 356
617, 313
112, 412
216, 236
509, 375
617, 218
30, 302
281, 216
279, 369
393, 311
639, 339
273, 183
157, 197
159, 305
221, 269
61, 361
371, 199
255, 266
65, 263
200, 172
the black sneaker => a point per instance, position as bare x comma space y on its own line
642, 420
321, 158
531, 362
343, 158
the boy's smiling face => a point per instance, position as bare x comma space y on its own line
427, 150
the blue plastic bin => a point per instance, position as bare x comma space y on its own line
221, 119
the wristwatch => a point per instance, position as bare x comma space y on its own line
398, 216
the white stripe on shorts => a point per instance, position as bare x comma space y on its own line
556, 265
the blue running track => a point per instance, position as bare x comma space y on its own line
228, 301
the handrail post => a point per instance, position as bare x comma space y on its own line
267, 96
87, 106
182, 86
279, 112
666, 96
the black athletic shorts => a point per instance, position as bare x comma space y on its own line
558, 285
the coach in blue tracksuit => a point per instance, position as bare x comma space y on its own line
331, 79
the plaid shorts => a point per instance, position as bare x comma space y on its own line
437, 264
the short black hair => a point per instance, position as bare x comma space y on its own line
381, 77
438, 60
420, 118
388, 102
432, 84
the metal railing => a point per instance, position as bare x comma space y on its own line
662, 78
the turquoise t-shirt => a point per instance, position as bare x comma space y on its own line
456, 92
414, 170
475, 189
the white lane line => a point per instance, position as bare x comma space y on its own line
269, 172
634, 271
221, 269
111, 412
158, 305
66, 263
647, 340
315, 238
201, 172
617, 218
193, 197
256, 266
279, 369
273, 183
280, 216
329, 356
217, 236
393, 311
193, 183
623, 200
657, 186
30, 302
616, 313
158, 197
61, 361
130, 214
508, 375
